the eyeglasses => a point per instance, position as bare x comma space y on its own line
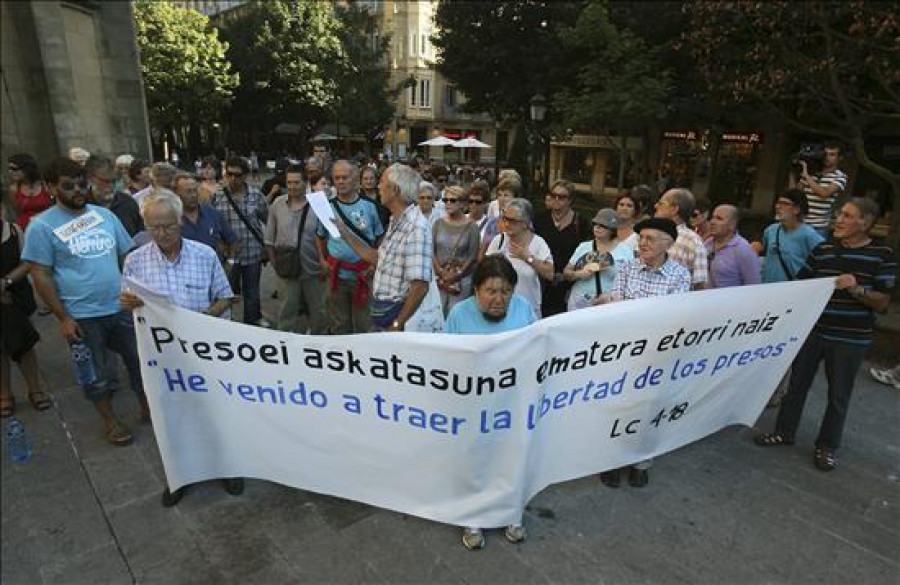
511, 219
164, 227
72, 185
649, 239
559, 196
604, 226
452, 200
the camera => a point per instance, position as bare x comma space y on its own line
813, 155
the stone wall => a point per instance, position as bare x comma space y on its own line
71, 77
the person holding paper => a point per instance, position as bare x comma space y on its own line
347, 295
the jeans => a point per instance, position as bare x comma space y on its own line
104, 335
842, 361
246, 278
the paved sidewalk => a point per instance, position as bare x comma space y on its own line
719, 511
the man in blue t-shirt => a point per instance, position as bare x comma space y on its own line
347, 298
74, 251
788, 243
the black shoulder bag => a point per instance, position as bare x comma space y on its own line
250, 226
287, 258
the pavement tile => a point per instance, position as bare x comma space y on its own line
101, 565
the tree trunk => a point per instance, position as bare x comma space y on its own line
623, 158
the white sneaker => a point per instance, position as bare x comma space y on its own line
473, 538
887, 376
264, 323
515, 533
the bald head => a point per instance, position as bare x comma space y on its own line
723, 223
345, 176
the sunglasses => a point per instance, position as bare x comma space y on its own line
71, 185
14, 168
511, 219
452, 200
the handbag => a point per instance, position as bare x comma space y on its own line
287, 262
384, 313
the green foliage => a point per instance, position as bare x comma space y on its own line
287, 53
363, 99
186, 75
620, 82
499, 54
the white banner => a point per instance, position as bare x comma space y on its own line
465, 429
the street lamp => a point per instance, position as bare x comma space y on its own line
538, 110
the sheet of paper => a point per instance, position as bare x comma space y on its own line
320, 206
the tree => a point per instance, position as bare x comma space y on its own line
187, 79
620, 82
828, 68
288, 54
499, 54
364, 100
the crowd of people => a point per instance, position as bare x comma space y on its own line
417, 250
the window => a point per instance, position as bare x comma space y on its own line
424, 50
412, 44
425, 93
450, 96
412, 95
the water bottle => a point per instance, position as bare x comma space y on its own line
82, 362
17, 441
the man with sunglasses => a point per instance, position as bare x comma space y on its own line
244, 208
101, 176
74, 250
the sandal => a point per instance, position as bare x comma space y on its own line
773, 439
824, 459
39, 400
118, 435
7, 406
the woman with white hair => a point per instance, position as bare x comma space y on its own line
529, 253
427, 196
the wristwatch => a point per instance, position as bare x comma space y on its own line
396, 325
530, 260
8, 282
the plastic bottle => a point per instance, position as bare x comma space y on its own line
82, 362
17, 441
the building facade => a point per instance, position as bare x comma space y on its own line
71, 77
430, 105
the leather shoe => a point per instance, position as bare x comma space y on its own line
611, 478
170, 499
234, 485
638, 477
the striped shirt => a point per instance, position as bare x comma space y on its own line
194, 281
690, 251
819, 215
404, 256
253, 206
636, 280
874, 267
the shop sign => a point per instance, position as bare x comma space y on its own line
681, 134
748, 137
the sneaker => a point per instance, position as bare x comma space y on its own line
824, 459
611, 478
638, 477
886, 376
473, 538
515, 533
262, 322
234, 485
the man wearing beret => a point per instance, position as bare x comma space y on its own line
651, 274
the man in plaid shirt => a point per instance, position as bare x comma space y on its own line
653, 273
249, 226
688, 249
403, 260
